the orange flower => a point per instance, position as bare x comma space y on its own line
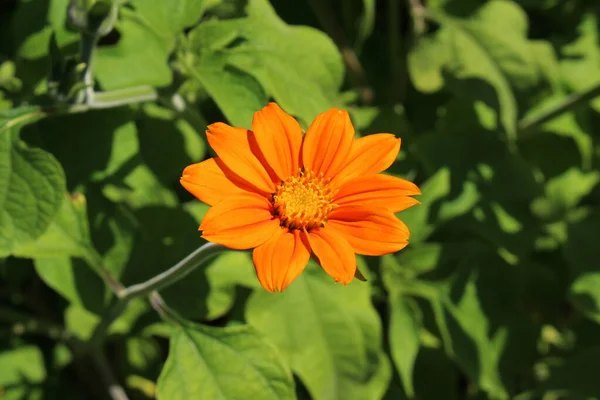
288, 195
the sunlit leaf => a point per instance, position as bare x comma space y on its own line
32, 184
223, 363
330, 335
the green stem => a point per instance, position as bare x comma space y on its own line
158, 282
558, 109
114, 389
175, 273
86, 51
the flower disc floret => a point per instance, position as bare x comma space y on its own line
303, 201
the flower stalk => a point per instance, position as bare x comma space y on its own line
156, 283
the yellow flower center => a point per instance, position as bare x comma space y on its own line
303, 202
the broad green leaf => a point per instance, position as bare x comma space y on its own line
566, 125
225, 273
223, 363
169, 19
122, 65
34, 22
23, 372
580, 65
404, 338
435, 207
74, 280
585, 295
472, 319
298, 66
329, 334
109, 154
80, 322
168, 143
557, 201
426, 59
32, 184
236, 92
488, 50
67, 235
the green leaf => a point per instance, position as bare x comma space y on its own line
119, 66
585, 295
426, 59
74, 280
67, 235
435, 207
557, 201
225, 273
169, 19
32, 184
80, 322
223, 363
298, 66
237, 93
488, 50
404, 338
580, 66
474, 322
22, 373
330, 335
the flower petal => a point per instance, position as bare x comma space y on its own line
370, 231
279, 137
382, 191
334, 253
281, 259
237, 148
241, 222
370, 155
328, 142
211, 181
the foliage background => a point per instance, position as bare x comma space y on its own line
497, 297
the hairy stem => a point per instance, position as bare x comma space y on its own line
558, 109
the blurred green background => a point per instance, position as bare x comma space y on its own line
104, 102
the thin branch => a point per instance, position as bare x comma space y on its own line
158, 282
327, 19
558, 109
114, 389
175, 273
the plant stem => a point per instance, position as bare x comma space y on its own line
556, 110
158, 282
86, 51
114, 389
175, 273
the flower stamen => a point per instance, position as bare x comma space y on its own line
303, 201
